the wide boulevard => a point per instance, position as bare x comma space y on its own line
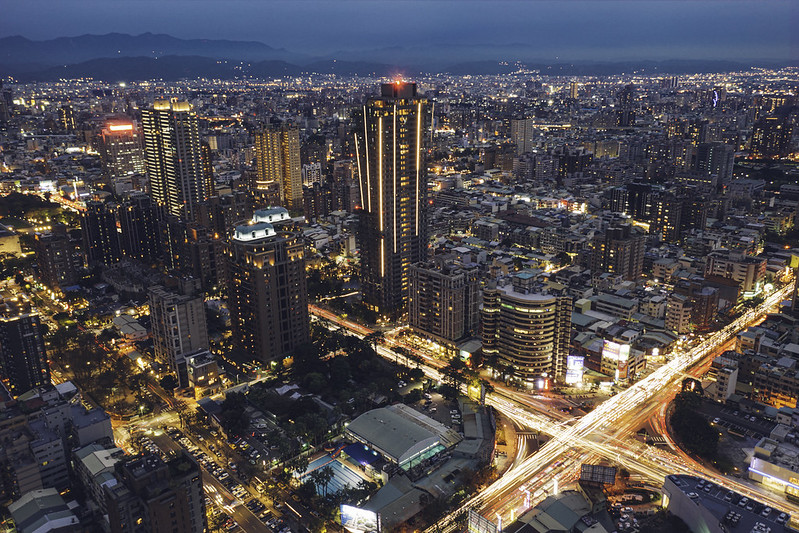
604, 433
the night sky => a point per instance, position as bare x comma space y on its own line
566, 29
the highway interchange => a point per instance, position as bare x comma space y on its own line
604, 433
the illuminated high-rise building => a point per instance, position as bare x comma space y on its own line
619, 251
277, 153
444, 300
528, 330
267, 294
173, 155
625, 114
66, 118
23, 359
100, 237
139, 220
392, 227
178, 325
121, 149
771, 137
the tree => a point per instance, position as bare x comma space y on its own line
375, 338
168, 382
322, 477
232, 414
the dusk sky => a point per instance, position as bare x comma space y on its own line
568, 29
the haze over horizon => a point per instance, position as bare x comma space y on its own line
577, 30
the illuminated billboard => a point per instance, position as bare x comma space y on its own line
480, 524
359, 520
574, 369
615, 351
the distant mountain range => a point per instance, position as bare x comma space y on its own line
119, 57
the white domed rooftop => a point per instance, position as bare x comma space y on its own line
253, 232
271, 215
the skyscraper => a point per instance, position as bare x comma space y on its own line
716, 158
392, 228
444, 300
100, 237
522, 134
139, 219
121, 149
178, 325
266, 287
173, 155
619, 250
573, 90
22, 354
277, 153
66, 118
54, 261
625, 115
771, 137
528, 330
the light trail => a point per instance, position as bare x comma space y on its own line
600, 432
607, 415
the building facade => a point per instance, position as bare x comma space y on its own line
121, 149
528, 331
277, 153
444, 301
178, 326
392, 224
100, 237
173, 156
619, 250
267, 293
22, 353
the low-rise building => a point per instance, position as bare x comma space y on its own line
43, 511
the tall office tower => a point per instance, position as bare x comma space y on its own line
392, 224
771, 137
716, 158
153, 496
619, 250
522, 134
444, 300
527, 330
121, 149
55, 264
22, 354
66, 118
139, 220
173, 155
573, 90
277, 153
266, 287
666, 217
208, 168
100, 237
178, 325
625, 115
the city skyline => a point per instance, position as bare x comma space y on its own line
601, 30
388, 266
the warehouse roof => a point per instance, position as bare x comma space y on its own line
396, 436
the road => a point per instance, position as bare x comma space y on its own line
215, 490
603, 432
